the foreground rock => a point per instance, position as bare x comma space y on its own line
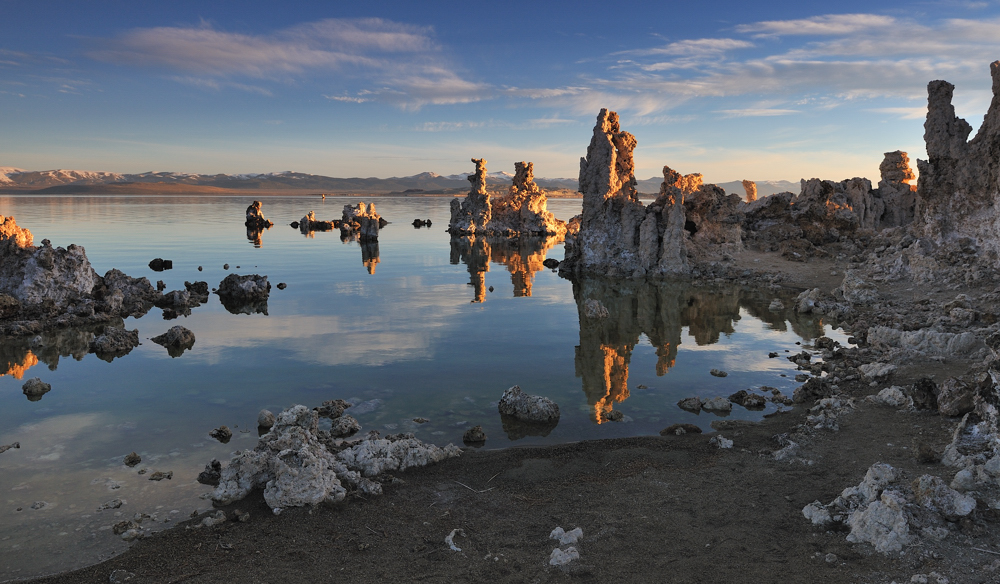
294, 468
177, 340
523, 211
244, 294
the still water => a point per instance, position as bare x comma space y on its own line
417, 325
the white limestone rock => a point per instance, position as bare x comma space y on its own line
882, 523
33, 275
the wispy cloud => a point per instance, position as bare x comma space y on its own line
404, 60
829, 24
756, 112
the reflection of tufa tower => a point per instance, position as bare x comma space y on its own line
615, 313
523, 257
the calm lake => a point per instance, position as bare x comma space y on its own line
419, 325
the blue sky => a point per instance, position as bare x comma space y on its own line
733, 90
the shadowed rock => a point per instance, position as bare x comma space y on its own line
177, 340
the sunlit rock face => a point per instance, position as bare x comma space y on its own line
898, 195
959, 186
751, 189
34, 275
614, 314
255, 217
523, 257
523, 211
363, 220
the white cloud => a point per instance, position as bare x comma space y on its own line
694, 47
906, 113
828, 24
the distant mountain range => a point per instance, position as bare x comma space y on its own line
68, 181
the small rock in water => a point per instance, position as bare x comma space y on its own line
718, 373
222, 434
225, 266
680, 430
690, 404
282, 285
421, 420
35, 388
199, 268
112, 504
161, 285
39, 505
131, 459
212, 474
551, 263
474, 436
614, 416
160, 475
490, 288
160, 264
719, 406
265, 419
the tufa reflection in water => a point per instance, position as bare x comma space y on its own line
615, 313
18, 354
523, 257
369, 249
254, 234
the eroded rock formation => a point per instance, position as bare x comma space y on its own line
751, 189
255, 217
898, 195
523, 211
34, 275
177, 340
362, 220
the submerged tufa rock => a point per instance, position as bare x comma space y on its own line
362, 220
177, 340
527, 408
34, 275
244, 294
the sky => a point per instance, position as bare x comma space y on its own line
778, 90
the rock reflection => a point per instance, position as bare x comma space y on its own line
18, 354
523, 257
369, 249
615, 313
254, 235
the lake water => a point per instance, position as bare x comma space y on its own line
419, 325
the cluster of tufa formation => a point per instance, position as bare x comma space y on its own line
616, 235
296, 464
522, 212
363, 221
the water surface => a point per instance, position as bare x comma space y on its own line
417, 325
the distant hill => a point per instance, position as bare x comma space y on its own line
60, 181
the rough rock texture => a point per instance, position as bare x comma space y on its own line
265, 419
127, 295
475, 211
255, 218
177, 340
35, 388
617, 234
34, 275
114, 342
527, 408
751, 188
309, 224
362, 220
898, 195
523, 211
244, 294
959, 188
294, 468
